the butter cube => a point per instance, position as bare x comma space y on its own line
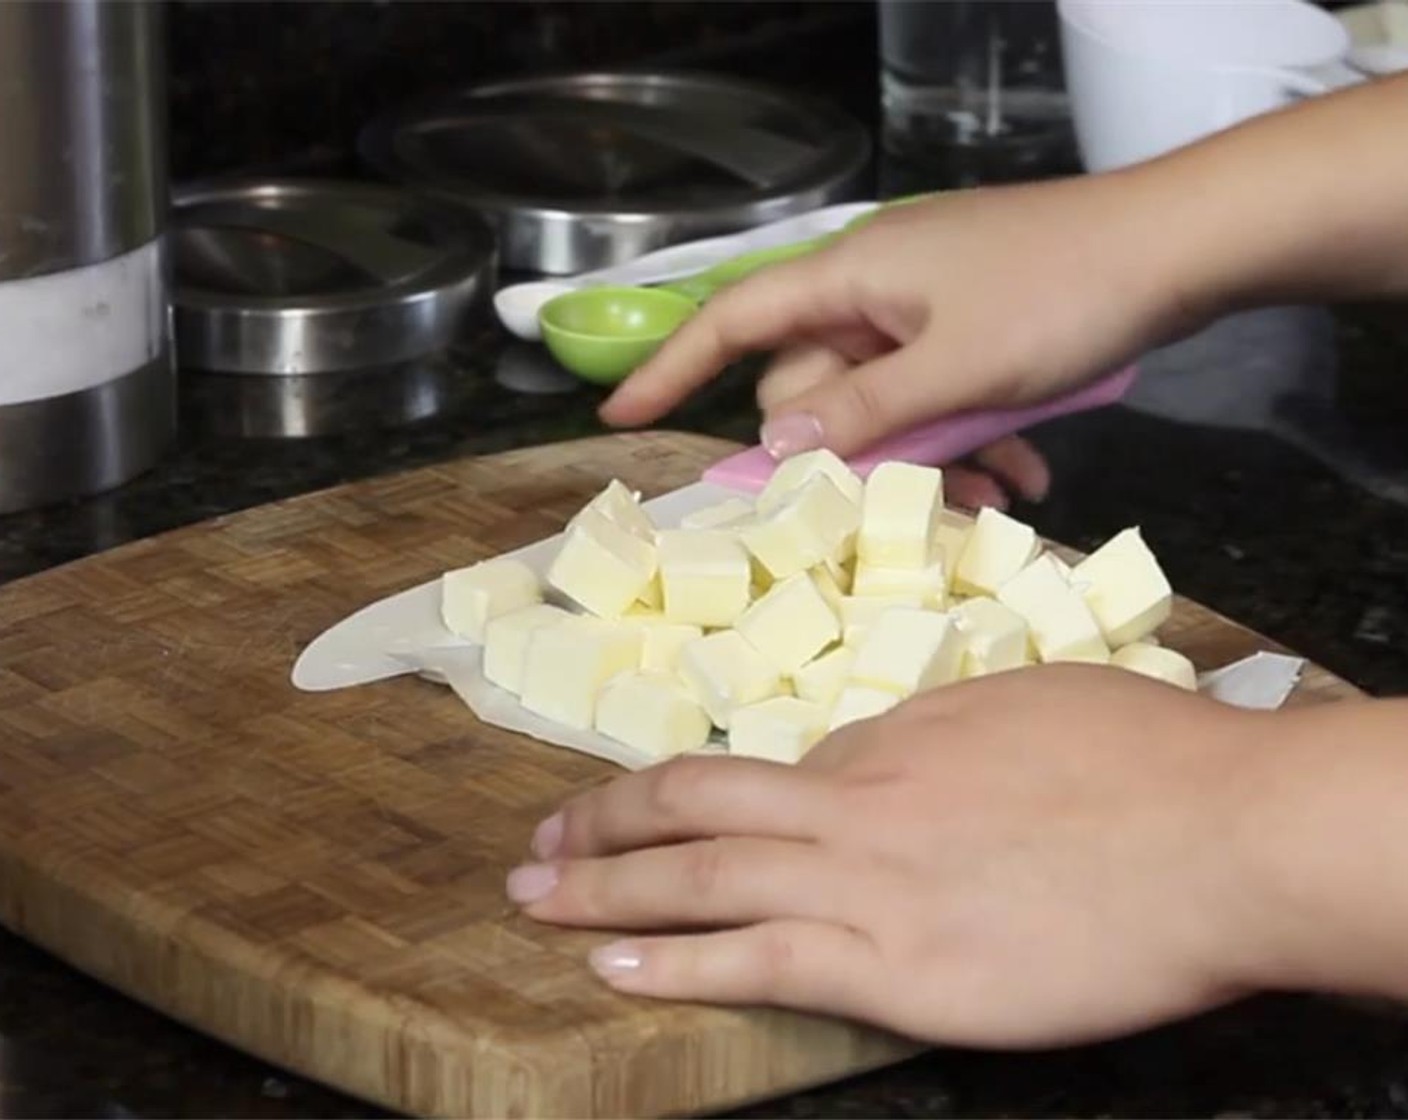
903, 506
858, 702
727, 673
1062, 626
994, 637
790, 474
1159, 662
1125, 587
950, 537
653, 597
566, 664
791, 624
908, 651
929, 584
726, 514
653, 713
471, 597
621, 506
706, 576
998, 547
832, 581
813, 524
506, 642
601, 566
822, 679
662, 640
858, 613
781, 729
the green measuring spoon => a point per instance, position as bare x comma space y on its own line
602, 334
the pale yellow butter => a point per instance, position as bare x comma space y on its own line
950, 537
661, 640
907, 651
621, 506
1061, 623
929, 584
858, 702
902, 508
858, 613
1127, 590
652, 712
602, 567
506, 642
994, 637
1159, 662
813, 524
724, 515
833, 581
471, 597
725, 673
790, 624
781, 729
706, 576
998, 547
791, 473
822, 679
566, 664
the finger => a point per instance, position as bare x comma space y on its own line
1019, 465
728, 882
848, 414
798, 369
973, 489
782, 304
686, 799
806, 966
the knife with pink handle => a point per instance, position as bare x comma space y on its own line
936, 443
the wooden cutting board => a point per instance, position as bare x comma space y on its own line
318, 878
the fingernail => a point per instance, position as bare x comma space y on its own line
613, 961
531, 882
790, 434
547, 837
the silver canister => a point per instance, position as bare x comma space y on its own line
87, 386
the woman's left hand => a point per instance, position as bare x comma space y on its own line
1039, 857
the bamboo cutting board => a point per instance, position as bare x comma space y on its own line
317, 878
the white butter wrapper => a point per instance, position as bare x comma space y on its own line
1262, 681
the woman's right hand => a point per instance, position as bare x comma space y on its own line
991, 297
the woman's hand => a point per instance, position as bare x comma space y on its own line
996, 296
1038, 857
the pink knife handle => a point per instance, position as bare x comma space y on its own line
937, 443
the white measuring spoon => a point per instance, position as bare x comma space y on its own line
517, 305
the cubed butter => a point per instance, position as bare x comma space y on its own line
726, 673
621, 506
832, 581
998, 547
1159, 662
791, 473
908, 651
661, 640
928, 584
858, 702
723, 515
790, 624
601, 566
652, 712
471, 597
781, 729
859, 613
1061, 624
1125, 587
653, 597
950, 537
902, 507
813, 524
994, 637
506, 642
706, 576
566, 664
822, 679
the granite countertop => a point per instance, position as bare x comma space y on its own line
1292, 520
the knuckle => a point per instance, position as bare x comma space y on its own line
705, 867
675, 788
776, 960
